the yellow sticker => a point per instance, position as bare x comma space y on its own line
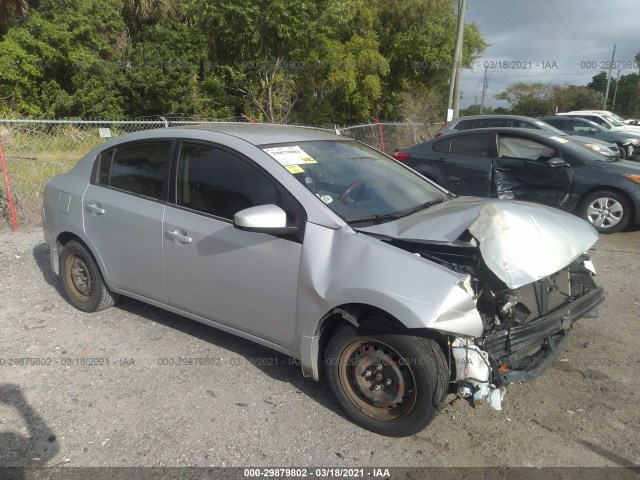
294, 168
292, 155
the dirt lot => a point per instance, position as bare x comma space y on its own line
103, 397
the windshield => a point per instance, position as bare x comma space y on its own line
616, 117
355, 181
613, 121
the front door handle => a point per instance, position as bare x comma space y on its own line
95, 208
503, 169
176, 235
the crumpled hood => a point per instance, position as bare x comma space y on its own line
520, 242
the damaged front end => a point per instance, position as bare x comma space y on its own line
526, 313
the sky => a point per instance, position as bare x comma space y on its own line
559, 41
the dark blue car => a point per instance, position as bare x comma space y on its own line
522, 164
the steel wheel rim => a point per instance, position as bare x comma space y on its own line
377, 380
605, 212
79, 278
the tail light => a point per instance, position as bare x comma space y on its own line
401, 156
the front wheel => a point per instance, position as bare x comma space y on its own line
623, 152
388, 383
607, 211
82, 280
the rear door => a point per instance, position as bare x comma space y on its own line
245, 280
462, 163
123, 209
521, 170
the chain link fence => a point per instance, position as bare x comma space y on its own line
36, 150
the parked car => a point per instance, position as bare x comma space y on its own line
606, 119
524, 164
330, 252
472, 122
628, 142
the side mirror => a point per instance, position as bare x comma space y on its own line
556, 162
593, 130
269, 219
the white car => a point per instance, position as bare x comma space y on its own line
608, 120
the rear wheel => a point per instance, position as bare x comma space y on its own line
388, 383
82, 280
607, 211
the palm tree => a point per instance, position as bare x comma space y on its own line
9, 11
149, 10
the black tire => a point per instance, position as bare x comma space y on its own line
82, 280
623, 152
607, 211
415, 368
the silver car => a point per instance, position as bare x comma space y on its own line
471, 122
394, 290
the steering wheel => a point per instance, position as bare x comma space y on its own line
349, 190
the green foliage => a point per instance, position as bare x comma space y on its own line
534, 99
531, 99
317, 62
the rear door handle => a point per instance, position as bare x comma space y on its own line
95, 208
439, 160
503, 169
176, 235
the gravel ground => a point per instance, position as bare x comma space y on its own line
253, 407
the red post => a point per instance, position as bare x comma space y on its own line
247, 117
12, 208
375, 119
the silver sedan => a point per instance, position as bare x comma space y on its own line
394, 290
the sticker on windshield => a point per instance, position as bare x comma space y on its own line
561, 140
293, 155
294, 168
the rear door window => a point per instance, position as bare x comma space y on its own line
476, 144
138, 168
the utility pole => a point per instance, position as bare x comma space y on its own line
454, 87
615, 91
485, 84
606, 94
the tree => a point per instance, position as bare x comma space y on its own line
62, 60
10, 10
323, 62
574, 97
531, 99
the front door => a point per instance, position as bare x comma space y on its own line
521, 171
245, 280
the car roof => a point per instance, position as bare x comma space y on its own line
260, 134
523, 131
483, 117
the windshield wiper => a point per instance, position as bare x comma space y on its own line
423, 206
375, 219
